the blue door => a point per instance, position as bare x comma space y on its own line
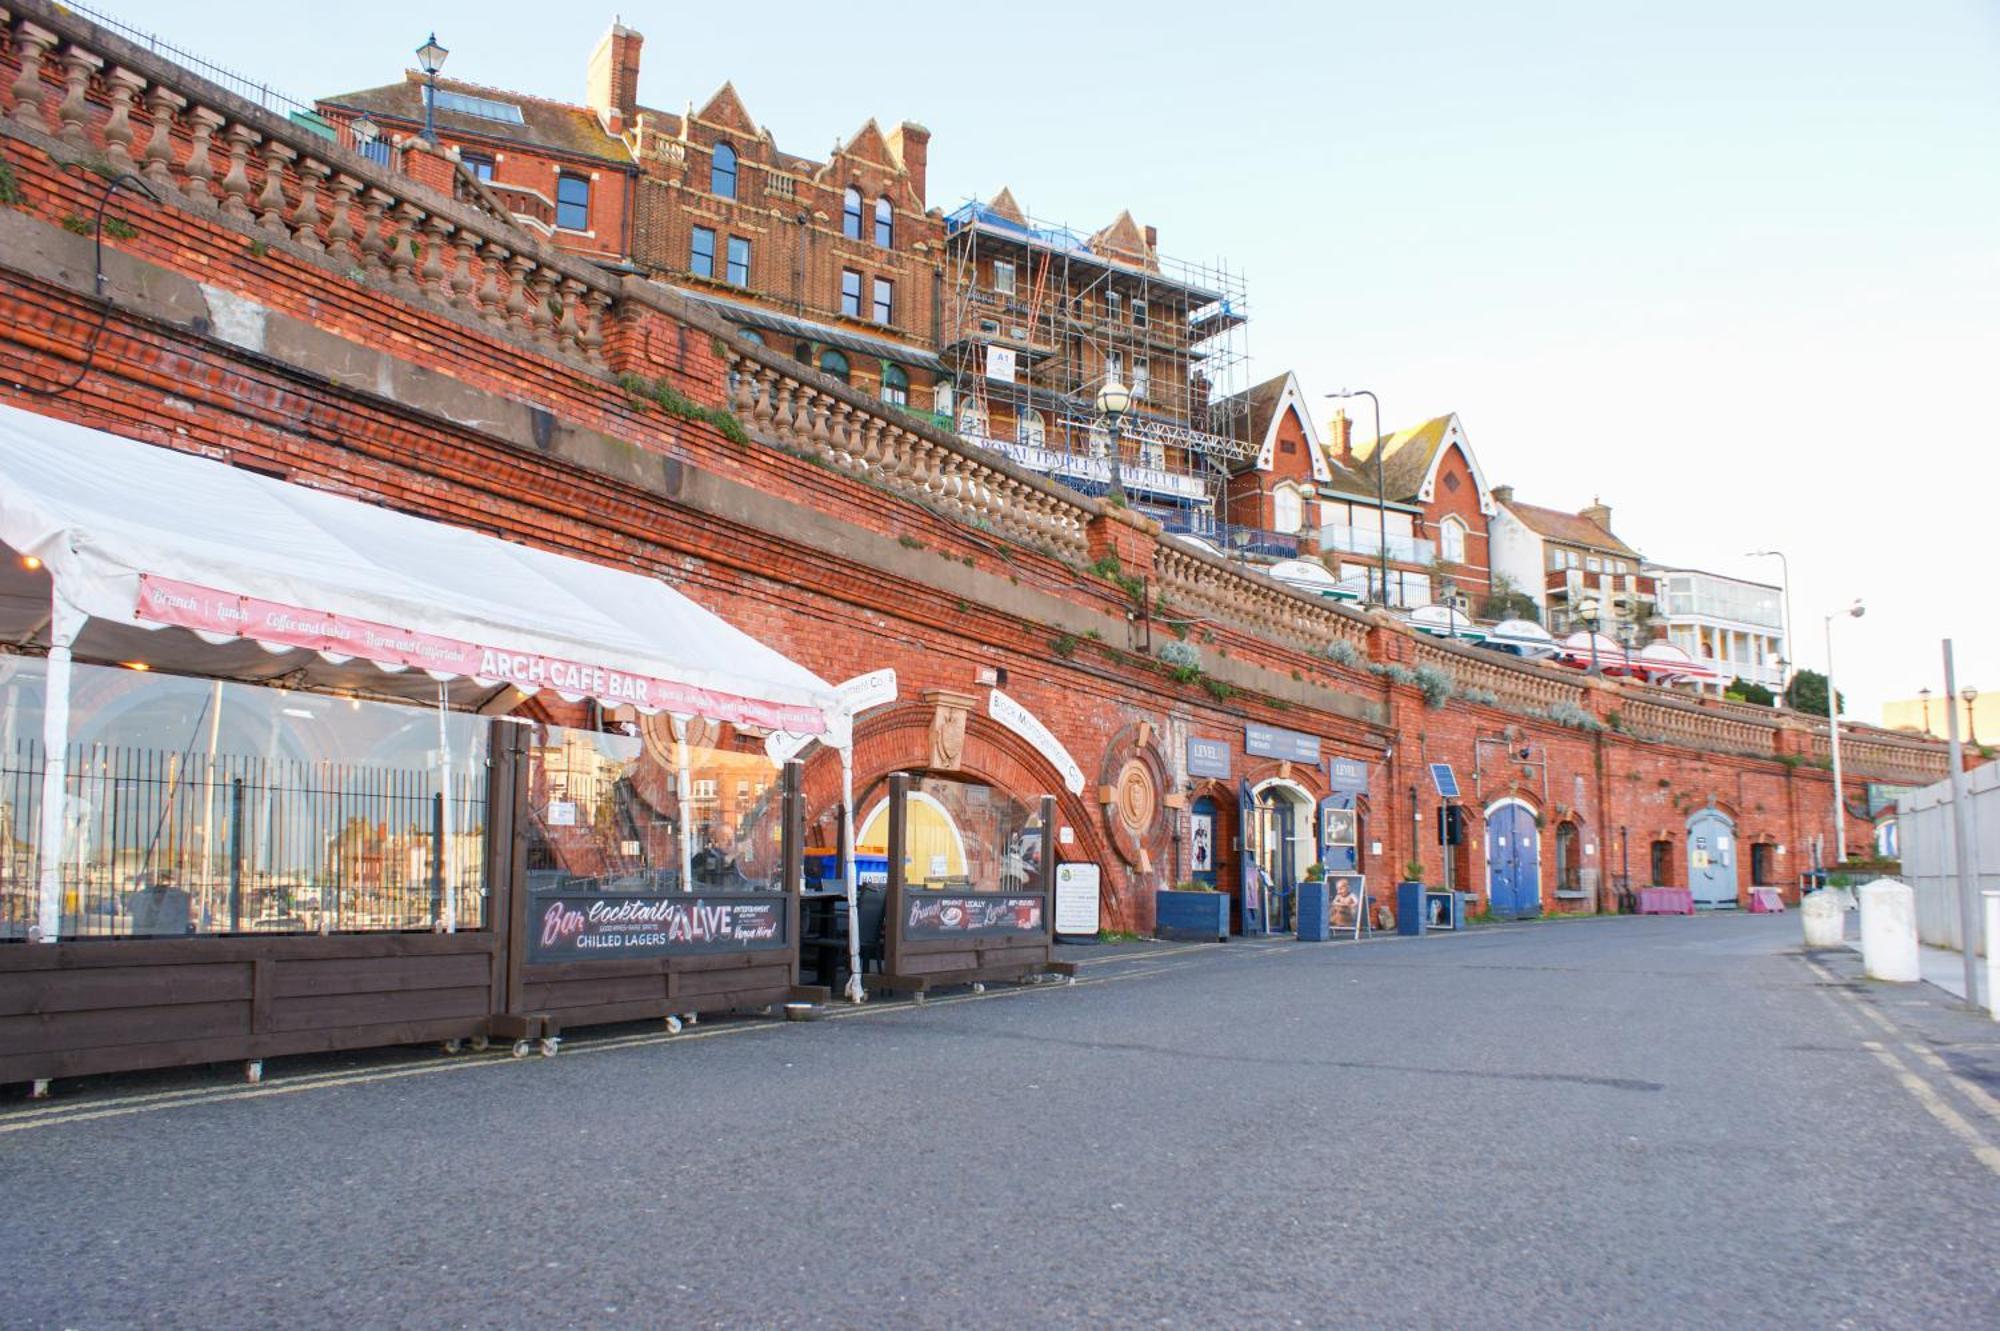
1513, 862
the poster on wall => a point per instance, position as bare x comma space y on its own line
1337, 828
1344, 913
1201, 852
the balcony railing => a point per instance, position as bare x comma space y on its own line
1368, 541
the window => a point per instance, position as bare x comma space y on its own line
1451, 541
833, 363
1139, 314
375, 150
1555, 559
885, 223
1287, 513
750, 335
941, 399
802, 352
1003, 277
972, 418
1031, 430
701, 256
1569, 861
480, 165
743, 788
1594, 564
573, 202
1663, 864
885, 301
896, 385
850, 213
850, 293
704, 789
739, 261
1114, 305
1451, 481
484, 107
1141, 378
1114, 366
722, 172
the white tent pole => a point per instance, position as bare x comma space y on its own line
448, 917
682, 784
65, 622
855, 990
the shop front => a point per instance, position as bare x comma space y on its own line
284, 771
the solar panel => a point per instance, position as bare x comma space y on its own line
1445, 780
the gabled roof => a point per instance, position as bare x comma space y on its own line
1574, 528
1003, 205
1411, 459
870, 146
726, 109
1123, 239
553, 126
1265, 404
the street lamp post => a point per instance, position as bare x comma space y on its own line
1970, 695
1113, 401
1833, 729
430, 59
1924, 695
1784, 666
1381, 484
1589, 615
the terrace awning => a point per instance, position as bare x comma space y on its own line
139, 538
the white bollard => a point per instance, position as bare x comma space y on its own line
1889, 932
1992, 954
1824, 919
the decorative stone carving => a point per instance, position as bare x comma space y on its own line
948, 715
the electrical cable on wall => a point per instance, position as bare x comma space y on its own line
111, 186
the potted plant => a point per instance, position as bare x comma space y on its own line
1193, 910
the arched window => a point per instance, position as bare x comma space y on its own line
803, 353
1451, 541
1569, 858
750, 335
885, 223
896, 385
833, 363
722, 172
1287, 513
850, 213
972, 418
1031, 430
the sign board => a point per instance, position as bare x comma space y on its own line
1078, 900
588, 926
859, 694
1290, 746
1208, 757
938, 915
1347, 774
1030, 728
1444, 780
1000, 364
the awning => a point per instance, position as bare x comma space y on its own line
142, 538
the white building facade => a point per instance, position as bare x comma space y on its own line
1733, 626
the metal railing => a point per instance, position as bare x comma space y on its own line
1368, 541
253, 90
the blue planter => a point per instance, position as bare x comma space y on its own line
1313, 919
1193, 915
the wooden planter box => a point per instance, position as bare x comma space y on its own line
1194, 915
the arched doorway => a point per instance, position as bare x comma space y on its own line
1712, 858
933, 843
1280, 841
1513, 860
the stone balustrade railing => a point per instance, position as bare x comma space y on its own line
1201, 582
1696, 726
1512, 682
809, 413
200, 146
1911, 761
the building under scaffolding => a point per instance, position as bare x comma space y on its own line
1038, 318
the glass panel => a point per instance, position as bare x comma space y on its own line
666, 810
967, 838
572, 203
201, 807
722, 172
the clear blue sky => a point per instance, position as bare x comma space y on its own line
1733, 266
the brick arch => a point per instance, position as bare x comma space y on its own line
898, 739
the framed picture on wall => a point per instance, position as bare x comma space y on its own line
1201, 854
1338, 828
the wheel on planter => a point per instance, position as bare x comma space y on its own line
522, 1048
674, 1025
550, 1044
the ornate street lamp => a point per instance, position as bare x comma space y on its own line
1833, 728
1589, 615
1381, 484
430, 59
1113, 401
1971, 695
1924, 695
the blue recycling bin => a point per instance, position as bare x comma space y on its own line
1313, 906
1410, 908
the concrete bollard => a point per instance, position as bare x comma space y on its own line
1824, 919
1889, 932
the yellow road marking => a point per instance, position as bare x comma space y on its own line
1987, 1154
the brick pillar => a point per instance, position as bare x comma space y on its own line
1124, 535
427, 165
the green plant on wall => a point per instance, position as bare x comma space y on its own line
660, 393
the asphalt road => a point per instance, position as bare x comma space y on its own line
1628, 1122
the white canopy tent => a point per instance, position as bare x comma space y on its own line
129, 551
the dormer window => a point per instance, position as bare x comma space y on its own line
722, 172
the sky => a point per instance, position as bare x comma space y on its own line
1730, 265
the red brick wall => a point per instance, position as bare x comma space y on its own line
1456, 494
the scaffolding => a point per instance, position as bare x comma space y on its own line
1038, 317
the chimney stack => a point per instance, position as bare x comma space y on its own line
911, 143
1343, 437
611, 88
1599, 512
1503, 494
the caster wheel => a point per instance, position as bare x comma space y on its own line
253, 1071
550, 1045
1071, 980
978, 988
522, 1048
691, 1018
453, 1046
920, 998
479, 1044
673, 1025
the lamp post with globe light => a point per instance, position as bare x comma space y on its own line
1833, 729
1113, 401
1381, 486
430, 59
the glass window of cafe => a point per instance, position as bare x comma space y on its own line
960, 836
198, 806
678, 807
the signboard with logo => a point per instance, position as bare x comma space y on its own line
941, 915
1347, 774
587, 927
1000, 364
1078, 903
1286, 745
1208, 757
1029, 727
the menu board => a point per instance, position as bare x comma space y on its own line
942, 915
582, 928
1077, 900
